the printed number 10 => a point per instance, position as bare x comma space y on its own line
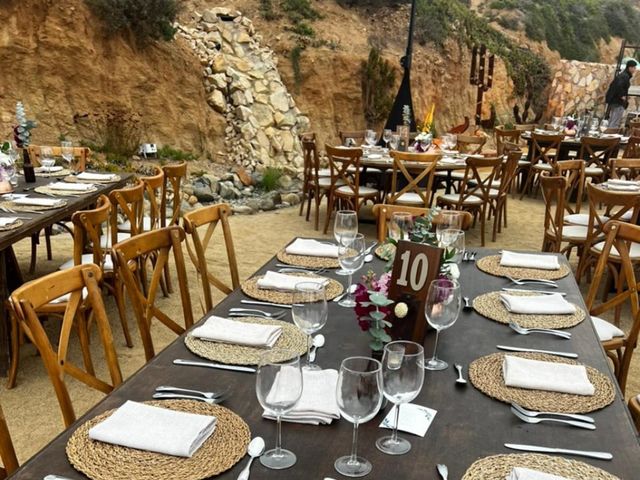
419, 270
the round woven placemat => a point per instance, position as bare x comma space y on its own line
63, 193
385, 251
40, 172
250, 288
74, 179
291, 339
485, 374
492, 266
498, 467
307, 261
10, 205
103, 461
11, 226
489, 305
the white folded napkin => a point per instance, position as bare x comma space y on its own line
553, 304
55, 168
621, 181
554, 377
529, 260
155, 429
448, 161
520, 473
7, 221
312, 248
606, 330
38, 202
623, 187
96, 177
280, 281
374, 156
223, 330
71, 187
318, 404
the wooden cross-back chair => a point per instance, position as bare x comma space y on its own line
632, 149
356, 135
314, 187
505, 136
620, 252
573, 172
128, 202
503, 180
171, 196
27, 300
470, 144
542, 157
211, 217
153, 185
634, 408
129, 254
384, 213
553, 194
625, 168
597, 152
7, 452
81, 155
417, 178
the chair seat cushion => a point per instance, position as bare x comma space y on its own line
105, 241
363, 191
409, 198
325, 182
493, 193
606, 330
593, 171
87, 259
543, 166
324, 172
523, 162
578, 219
126, 226
65, 298
455, 198
351, 168
574, 232
634, 250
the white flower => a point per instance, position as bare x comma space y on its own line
401, 310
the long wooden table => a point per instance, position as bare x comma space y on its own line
9, 272
468, 425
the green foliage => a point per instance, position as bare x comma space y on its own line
267, 11
294, 56
176, 154
377, 78
146, 19
303, 29
270, 179
298, 10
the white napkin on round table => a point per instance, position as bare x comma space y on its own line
71, 187
280, 281
312, 248
554, 377
520, 473
223, 330
623, 187
529, 260
155, 429
96, 177
553, 304
606, 330
53, 169
318, 404
5, 221
39, 202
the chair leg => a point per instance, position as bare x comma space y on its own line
47, 240
304, 195
309, 198
329, 212
15, 352
317, 211
35, 239
482, 224
118, 294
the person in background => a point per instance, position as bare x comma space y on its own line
617, 93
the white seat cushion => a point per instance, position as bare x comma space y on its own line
65, 298
351, 168
493, 193
593, 171
579, 219
325, 182
105, 241
543, 166
87, 258
523, 162
574, 232
606, 330
324, 172
634, 250
455, 198
346, 190
409, 198
126, 226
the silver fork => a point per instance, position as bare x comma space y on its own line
573, 423
276, 314
548, 331
533, 413
175, 396
187, 391
524, 281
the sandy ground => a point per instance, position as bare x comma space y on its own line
31, 408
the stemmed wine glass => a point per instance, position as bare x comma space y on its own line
453, 241
386, 136
351, 257
402, 379
604, 125
448, 220
67, 152
345, 228
278, 388
400, 226
441, 310
309, 312
359, 397
395, 141
47, 160
371, 137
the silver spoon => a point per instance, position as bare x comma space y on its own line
460, 380
166, 388
443, 471
255, 449
318, 342
466, 303
548, 331
170, 396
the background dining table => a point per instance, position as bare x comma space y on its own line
468, 425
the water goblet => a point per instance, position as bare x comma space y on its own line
309, 312
604, 125
351, 257
441, 310
345, 228
386, 136
400, 226
395, 141
67, 152
371, 137
448, 220
453, 242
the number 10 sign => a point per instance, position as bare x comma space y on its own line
415, 266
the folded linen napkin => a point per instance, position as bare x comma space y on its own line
622, 187
554, 377
529, 260
621, 181
553, 304
448, 161
6, 221
223, 330
318, 404
155, 429
280, 281
520, 473
96, 177
55, 168
606, 330
38, 202
71, 187
312, 248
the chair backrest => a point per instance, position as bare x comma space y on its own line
128, 201
87, 230
505, 136
421, 172
7, 452
625, 168
553, 193
477, 182
597, 151
508, 168
634, 123
311, 160
356, 135
211, 217
573, 172
470, 144
153, 186
27, 299
544, 148
344, 164
80, 155
173, 175
384, 213
632, 150
634, 408
154, 247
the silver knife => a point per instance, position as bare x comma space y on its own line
256, 302
546, 292
56, 477
536, 448
533, 350
221, 366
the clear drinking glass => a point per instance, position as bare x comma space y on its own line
448, 220
351, 257
453, 241
359, 397
386, 136
11, 168
395, 141
402, 379
278, 388
371, 137
604, 124
345, 228
441, 310
400, 226
67, 152
309, 312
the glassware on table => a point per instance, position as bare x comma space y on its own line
371, 137
400, 226
386, 136
351, 257
359, 397
67, 153
593, 127
453, 241
448, 220
449, 141
309, 312
10, 167
278, 388
441, 310
395, 141
402, 379
46, 158
604, 125
345, 226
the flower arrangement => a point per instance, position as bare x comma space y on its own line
22, 131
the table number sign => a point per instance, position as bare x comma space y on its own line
415, 266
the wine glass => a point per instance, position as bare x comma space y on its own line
345, 226
452, 240
46, 158
402, 379
371, 137
351, 257
10, 167
395, 141
441, 310
604, 124
400, 226
359, 397
593, 127
448, 220
278, 388
386, 136
309, 312
67, 152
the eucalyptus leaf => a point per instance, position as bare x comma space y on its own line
376, 345
385, 337
377, 316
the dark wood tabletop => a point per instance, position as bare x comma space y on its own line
468, 425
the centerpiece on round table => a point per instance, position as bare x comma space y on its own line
424, 139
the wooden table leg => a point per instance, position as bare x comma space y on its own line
10, 278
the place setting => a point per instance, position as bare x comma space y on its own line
10, 223
523, 268
93, 177
25, 203
65, 189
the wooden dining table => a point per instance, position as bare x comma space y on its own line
33, 223
468, 425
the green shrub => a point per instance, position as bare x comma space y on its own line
267, 11
175, 154
303, 29
377, 79
294, 56
270, 179
298, 10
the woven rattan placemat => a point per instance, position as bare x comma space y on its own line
75, 179
103, 461
307, 261
498, 467
492, 266
41, 172
11, 206
489, 305
485, 374
250, 288
11, 226
291, 339
63, 193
